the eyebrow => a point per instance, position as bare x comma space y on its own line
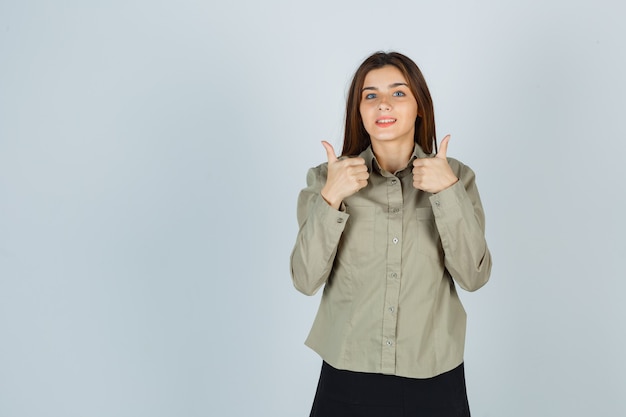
390, 86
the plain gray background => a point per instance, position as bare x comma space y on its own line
151, 153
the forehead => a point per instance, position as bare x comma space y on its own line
383, 77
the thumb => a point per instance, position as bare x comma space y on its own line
443, 148
330, 151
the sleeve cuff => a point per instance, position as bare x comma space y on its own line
449, 201
331, 218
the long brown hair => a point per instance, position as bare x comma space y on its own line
356, 139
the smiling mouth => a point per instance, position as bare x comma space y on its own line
385, 121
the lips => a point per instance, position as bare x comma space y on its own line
385, 121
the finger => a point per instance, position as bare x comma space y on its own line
443, 148
330, 151
357, 168
356, 161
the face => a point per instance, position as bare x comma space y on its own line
388, 108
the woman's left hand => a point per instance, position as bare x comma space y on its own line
434, 174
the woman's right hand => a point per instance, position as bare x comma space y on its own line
345, 177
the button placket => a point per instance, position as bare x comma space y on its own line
394, 263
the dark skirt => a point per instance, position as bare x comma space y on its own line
357, 394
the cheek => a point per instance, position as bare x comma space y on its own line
412, 113
366, 122
364, 114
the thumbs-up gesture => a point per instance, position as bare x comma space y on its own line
434, 174
345, 177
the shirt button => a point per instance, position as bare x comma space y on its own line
339, 220
437, 203
395, 240
389, 343
391, 309
394, 182
394, 275
395, 210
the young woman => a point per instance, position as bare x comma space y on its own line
389, 229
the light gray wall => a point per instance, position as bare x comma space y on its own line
150, 158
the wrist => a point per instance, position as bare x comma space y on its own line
330, 199
450, 184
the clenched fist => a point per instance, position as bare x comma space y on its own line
434, 174
345, 177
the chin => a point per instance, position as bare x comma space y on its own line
390, 138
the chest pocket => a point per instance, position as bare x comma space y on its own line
428, 240
358, 236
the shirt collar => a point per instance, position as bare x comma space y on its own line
372, 163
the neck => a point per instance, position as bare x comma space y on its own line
393, 157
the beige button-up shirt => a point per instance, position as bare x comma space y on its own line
389, 261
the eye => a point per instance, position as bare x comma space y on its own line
370, 96
399, 94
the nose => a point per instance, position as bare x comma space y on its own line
384, 105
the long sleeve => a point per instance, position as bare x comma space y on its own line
460, 221
321, 227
